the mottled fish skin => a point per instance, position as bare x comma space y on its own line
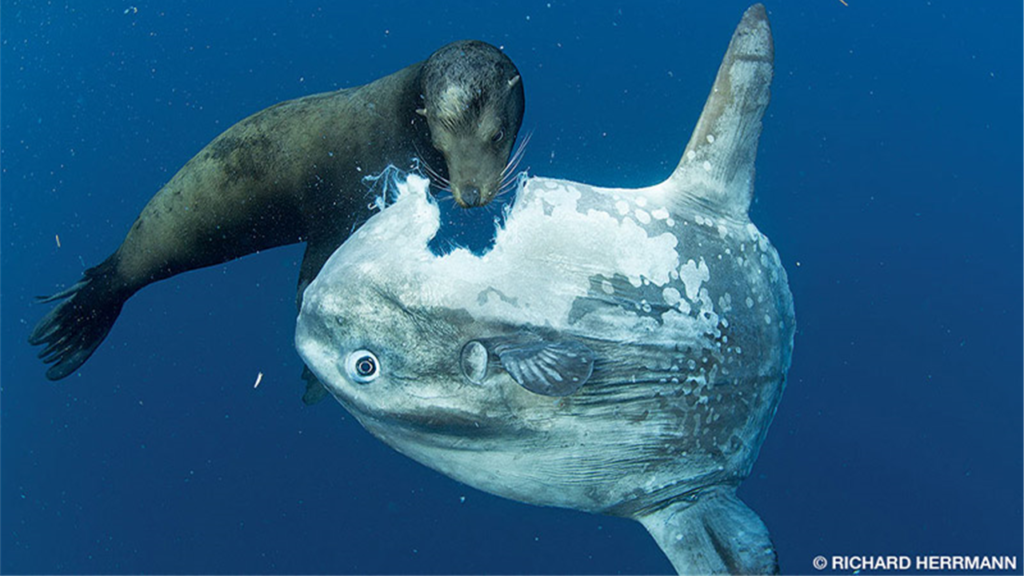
674, 304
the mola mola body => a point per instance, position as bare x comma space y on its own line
618, 351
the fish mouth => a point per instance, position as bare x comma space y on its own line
436, 426
442, 424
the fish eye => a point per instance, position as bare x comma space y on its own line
362, 366
498, 136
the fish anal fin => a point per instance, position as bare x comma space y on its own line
716, 534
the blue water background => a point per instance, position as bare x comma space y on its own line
888, 176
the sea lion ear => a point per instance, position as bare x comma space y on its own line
422, 112
512, 83
547, 368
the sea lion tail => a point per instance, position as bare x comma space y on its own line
75, 328
716, 534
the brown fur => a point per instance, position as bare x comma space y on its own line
291, 173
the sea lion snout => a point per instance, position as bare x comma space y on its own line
469, 197
475, 166
474, 169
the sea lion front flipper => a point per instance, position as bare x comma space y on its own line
547, 368
75, 328
315, 390
317, 253
716, 534
319, 247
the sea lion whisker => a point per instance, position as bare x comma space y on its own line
431, 172
436, 176
512, 175
439, 181
509, 182
512, 178
517, 155
444, 194
512, 184
523, 143
447, 189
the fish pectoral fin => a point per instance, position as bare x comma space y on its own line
716, 534
548, 368
315, 390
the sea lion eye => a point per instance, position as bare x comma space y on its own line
498, 136
362, 366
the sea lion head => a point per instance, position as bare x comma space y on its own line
473, 101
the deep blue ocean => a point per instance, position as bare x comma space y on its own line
889, 177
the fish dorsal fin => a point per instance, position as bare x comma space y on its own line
717, 168
545, 367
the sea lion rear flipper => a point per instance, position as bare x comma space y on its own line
75, 328
716, 534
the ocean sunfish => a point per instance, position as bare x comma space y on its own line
618, 351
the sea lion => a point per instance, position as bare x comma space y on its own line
294, 173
